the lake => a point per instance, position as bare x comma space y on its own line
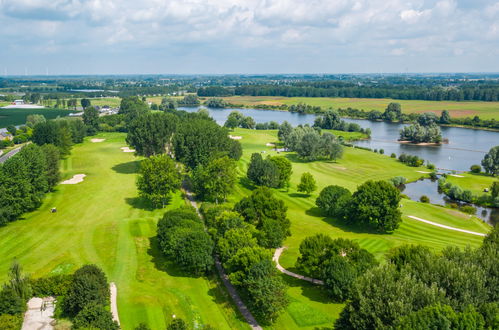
465, 148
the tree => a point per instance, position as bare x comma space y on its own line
215, 180
52, 155
267, 214
494, 189
132, 107
284, 130
12, 130
427, 119
475, 168
234, 119
333, 200
330, 146
329, 120
376, 203
36, 166
392, 112
158, 177
241, 263
89, 287
445, 117
85, 103
265, 172
233, 240
490, 162
338, 275
307, 183
314, 250
15, 189
151, 133
177, 324
32, 120
54, 132
91, 119
285, 169
95, 317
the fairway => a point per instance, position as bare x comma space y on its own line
102, 221
18, 116
310, 307
486, 110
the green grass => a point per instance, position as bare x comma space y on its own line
18, 116
486, 110
474, 182
102, 221
355, 167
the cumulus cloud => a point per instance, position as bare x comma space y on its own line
360, 30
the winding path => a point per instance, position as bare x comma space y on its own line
446, 227
277, 255
241, 306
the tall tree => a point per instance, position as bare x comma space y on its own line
85, 103
490, 162
158, 178
53, 158
132, 107
215, 180
36, 166
91, 119
307, 183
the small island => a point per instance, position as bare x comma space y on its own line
421, 134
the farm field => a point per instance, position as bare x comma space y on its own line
102, 221
18, 116
310, 307
474, 182
486, 110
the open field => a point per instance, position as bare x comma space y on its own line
310, 307
102, 221
474, 182
18, 116
486, 110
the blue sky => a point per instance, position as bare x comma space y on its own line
247, 36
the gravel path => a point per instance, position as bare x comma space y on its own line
40, 314
277, 255
243, 309
446, 227
114, 304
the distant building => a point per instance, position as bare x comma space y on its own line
18, 102
5, 136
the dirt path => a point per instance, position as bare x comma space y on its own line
277, 255
40, 314
243, 309
446, 227
114, 304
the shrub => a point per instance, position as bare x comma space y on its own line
398, 181
393, 155
468, 209
475, 168
177, 324
11, 322
424, 199
95, 317
51, 286
430, 166
382, 151
333, 200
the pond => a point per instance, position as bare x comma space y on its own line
465, 148
415, 190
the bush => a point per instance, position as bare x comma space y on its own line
430, 166
424, 199
51, 286
476, 168
468, 209
11, 322
333, 200
95, 316
393, 155
177, 324
398, 181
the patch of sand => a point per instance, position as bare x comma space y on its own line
114, 304
339, 168
423, 172
270, 145
97, 140
456, 176
40, 314
77, 178
127, 149
235, 137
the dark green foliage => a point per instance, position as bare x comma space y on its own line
311, 145
182, 237
445, 117
142, 326
91, 119
331, 119
233, 240
284, 130
36, 166
54, 132
490, 313
57, 285
14, 189
494, 189
237, 119
243, 260
307, 183
189, 100
333, 200
267, 214
215, 180
427, 119
490, 162
475, 168
112, 123
10, 302
52, 156
409, 160
285, 170
85, 103
263, 172
376, 203
158, 178
314, 250
88, 287
338, 275
132, 107
94, 317
16, 292
393, 112
417, 133
11, 322
151, 133
197, 141
424, 199
215, 103
177, 324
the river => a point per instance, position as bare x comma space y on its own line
465, 148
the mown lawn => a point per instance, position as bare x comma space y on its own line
474, 182
309, 306
486, 110
102, 221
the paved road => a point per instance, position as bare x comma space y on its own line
446, 227
277, 255
243, 309
9, 154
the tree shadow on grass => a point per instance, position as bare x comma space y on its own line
313, 292
221, 297
162, 263
140, 203
127, 168
247, 183
344, 225
299, 195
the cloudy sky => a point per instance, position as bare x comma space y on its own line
248, 36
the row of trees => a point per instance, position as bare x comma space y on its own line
418, 289
237, 119
25, 179
374, 204
309, 144
331, 120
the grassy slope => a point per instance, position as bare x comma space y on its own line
310, 307
486, 110
474, 182
101, 221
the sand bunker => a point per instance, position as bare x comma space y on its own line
97, 140
456, 176
40, 314
270, 145
77, 178
423, 172
235, 137
127, 149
